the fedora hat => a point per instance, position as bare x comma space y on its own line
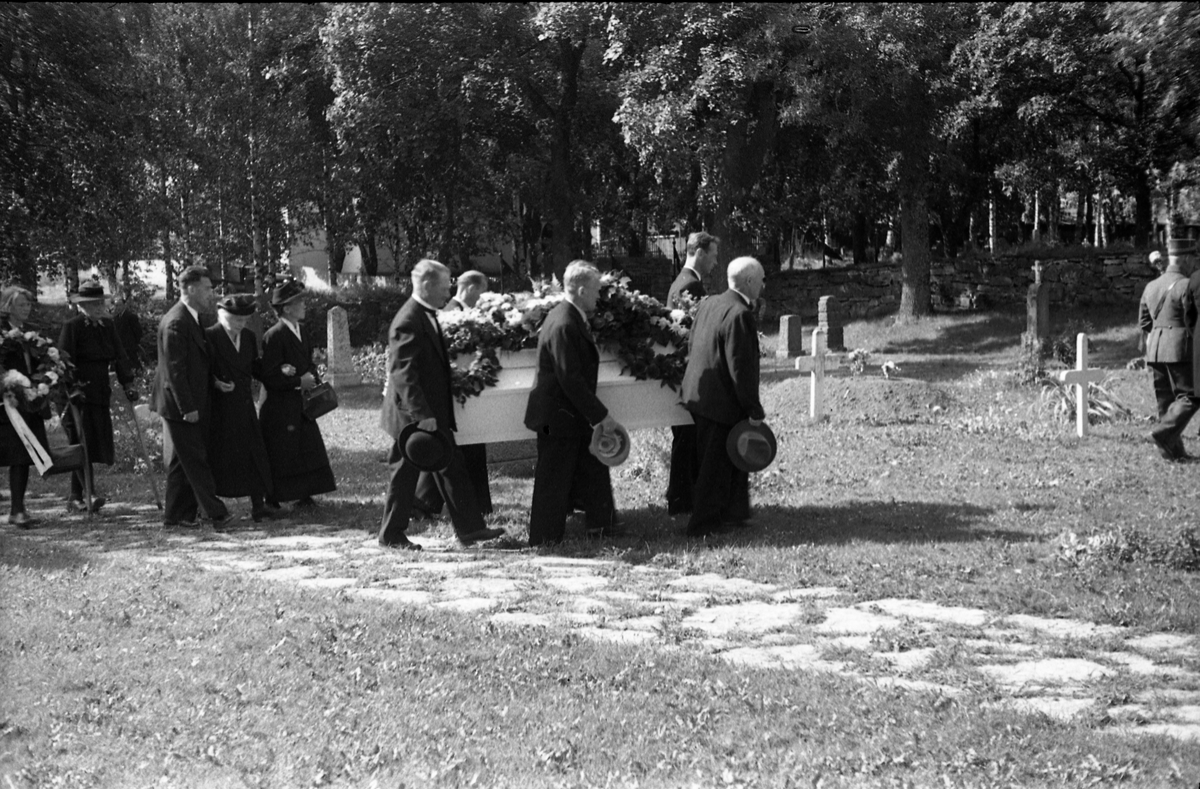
288, 291
238, 304
751, 447
611, 449
91, 290
427, 451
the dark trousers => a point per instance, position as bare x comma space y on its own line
683, 469
453, 484
190, 486
18, 481
568, 475
722, 491
475, 455
1174, 390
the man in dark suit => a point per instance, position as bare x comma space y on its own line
418, 391
563, 410
720, 389
428, 502
688, 287
181, 398
1166, 314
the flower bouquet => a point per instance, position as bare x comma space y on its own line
52, 370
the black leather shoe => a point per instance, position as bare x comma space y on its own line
402, 544
273, 504
616, 529
262, 515
97, 503
418, 513
21, 520
219, 524
1168, 449
480, 536
76, 507
306, 503
180, 524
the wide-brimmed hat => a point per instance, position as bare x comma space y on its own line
425, 450
288, 291
238, 304
610, 448
751, 447
91, 290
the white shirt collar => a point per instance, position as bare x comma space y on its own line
691, 268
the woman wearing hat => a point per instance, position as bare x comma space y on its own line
90, 339
299, 463
15, 305
233, 350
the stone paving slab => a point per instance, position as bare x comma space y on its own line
745, 618
1165, 642
311, 555
1064, 628
917, 609
327, 583
578, 583
1048, 671
300, 541
807, 593
713, 584
852, 620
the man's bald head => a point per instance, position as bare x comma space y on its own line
745, 275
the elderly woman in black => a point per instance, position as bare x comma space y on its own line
299, 463
15, 305
90, 339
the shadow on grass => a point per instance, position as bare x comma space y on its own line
991, 332
17, 550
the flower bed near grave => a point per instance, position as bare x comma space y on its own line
649, 340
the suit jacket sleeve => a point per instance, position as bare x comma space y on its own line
741, 351
404, 373
568, 349
179, 352
1144, 319
273, 358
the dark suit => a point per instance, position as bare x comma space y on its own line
475, 457
562, 410
234, 422
683, 437
181, 386
1166, 314
418, 387
720, 389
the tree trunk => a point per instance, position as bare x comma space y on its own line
1142, 213
1036, 235
915, 301
859, 238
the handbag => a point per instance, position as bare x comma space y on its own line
319, 401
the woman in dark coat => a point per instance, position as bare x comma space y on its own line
92, 343
299, 463
15, 306
235, 439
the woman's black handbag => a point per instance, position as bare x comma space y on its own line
319, 401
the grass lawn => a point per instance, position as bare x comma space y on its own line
952, 484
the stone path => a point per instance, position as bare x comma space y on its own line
1132, 681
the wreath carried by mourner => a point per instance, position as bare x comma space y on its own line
649, 340
53, 373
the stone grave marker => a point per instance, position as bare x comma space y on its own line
1080, 377
791, 337
1037, 314
341, 370
829, 320
816, 365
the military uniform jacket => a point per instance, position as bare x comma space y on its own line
181, 381
563, 401
721, 379
418, 384
1167, 312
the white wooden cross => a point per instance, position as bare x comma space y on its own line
816, 365
1080, 377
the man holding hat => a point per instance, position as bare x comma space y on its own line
416, 403
1166, 314
90, 339
181, 397
296, 452
565, 413
233, 349
720, 389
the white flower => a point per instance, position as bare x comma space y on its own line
14, 378
53, 354
513, 317
43, 389
677, 316
52, 376
31, 335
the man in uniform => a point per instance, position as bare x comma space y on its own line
720, 389
689, 285
1166, 314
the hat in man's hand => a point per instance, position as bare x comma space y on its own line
751, 447
288, 291
425, 450
611, 447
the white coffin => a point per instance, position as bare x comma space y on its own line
498, 413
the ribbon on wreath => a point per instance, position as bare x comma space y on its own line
37, 453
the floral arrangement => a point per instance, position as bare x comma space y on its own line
649, 339
52, 369
858, 360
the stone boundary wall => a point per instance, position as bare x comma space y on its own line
871, 290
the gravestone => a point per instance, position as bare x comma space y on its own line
1037, 315
829, 321
816, 365
340, 357
791, 337
1080, 377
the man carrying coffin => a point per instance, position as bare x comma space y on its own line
418, 393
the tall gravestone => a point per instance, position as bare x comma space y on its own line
340, 354
829, 321
1037, 314
791, 337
